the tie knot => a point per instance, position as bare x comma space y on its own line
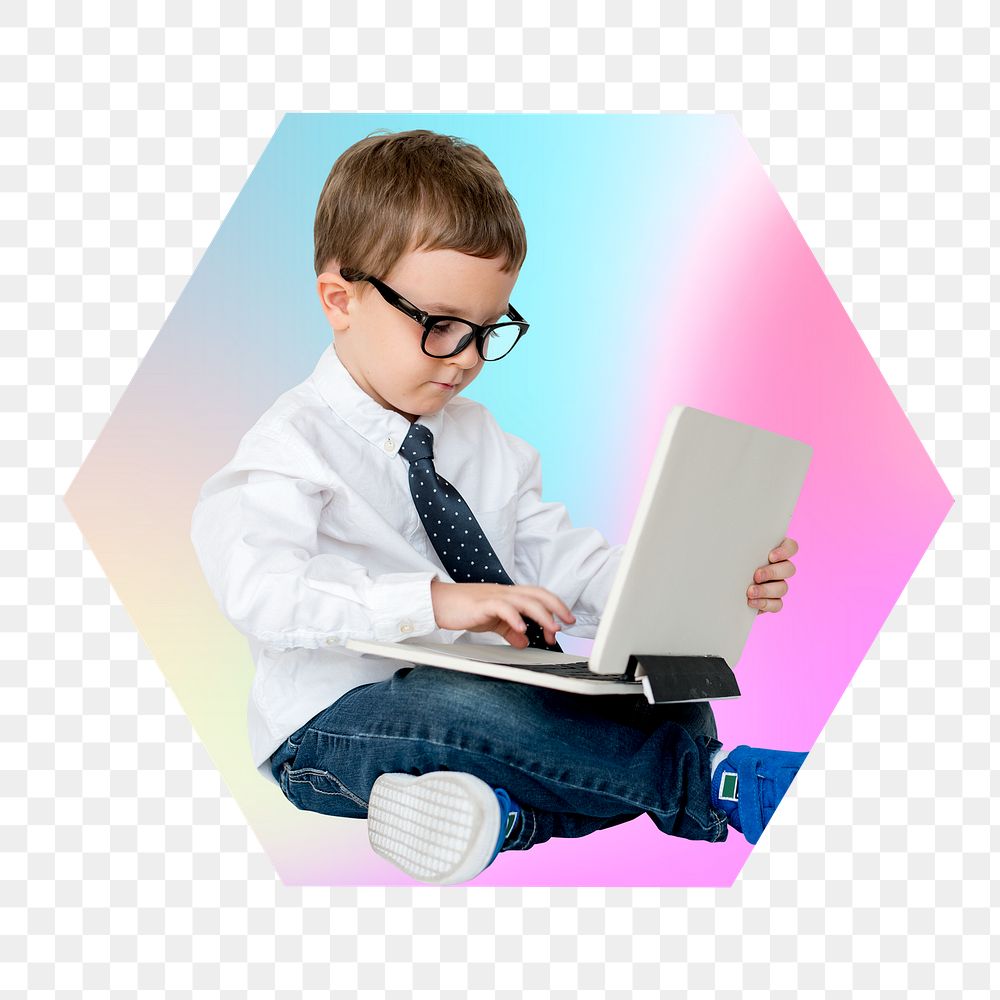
418, 444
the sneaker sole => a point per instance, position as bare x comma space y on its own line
440, 827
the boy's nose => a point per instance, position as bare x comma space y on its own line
469, 357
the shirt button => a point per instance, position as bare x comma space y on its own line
388, 444
406, 625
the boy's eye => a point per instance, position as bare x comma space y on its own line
451, 329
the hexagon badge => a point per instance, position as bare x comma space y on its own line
662, 268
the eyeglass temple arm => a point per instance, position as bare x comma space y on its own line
350, 274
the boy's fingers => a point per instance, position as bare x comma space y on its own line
532, 608
784, 550
777, 589
562, 609
517, 639
774, 571
508, 613
540, 613
554, 603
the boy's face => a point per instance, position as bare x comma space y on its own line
380, 346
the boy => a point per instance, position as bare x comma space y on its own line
324, 527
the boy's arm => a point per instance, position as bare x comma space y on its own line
576, 564
255, 532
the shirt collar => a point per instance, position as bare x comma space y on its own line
384, 428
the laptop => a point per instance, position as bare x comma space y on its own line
719, 496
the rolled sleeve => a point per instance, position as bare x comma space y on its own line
410, 592
255, 531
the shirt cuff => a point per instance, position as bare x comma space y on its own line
585, 627
402, 607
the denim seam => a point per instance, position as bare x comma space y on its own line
718, 826
531, 836
524, 839
533, 774
346, 794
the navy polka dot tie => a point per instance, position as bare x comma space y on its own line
465, 552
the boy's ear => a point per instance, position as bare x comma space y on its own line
334, 296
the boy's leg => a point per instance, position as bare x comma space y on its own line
573, 763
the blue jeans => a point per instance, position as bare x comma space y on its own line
574, 763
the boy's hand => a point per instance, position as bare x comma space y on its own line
766, 596
497, 607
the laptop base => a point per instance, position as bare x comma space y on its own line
665, 679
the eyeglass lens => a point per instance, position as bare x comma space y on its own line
449, 336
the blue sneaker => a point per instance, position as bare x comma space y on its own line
749, 783
441, 827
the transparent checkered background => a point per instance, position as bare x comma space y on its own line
122, 149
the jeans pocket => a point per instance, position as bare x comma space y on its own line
317, 790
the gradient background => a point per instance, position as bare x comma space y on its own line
662, 268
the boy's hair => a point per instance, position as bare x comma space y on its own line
391, 193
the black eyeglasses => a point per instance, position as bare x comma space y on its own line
446, 336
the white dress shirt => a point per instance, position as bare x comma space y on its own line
309, 537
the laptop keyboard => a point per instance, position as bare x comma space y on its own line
580, 670
543, 661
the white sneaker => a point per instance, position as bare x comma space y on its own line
441, 827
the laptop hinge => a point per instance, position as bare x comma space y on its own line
683, 678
